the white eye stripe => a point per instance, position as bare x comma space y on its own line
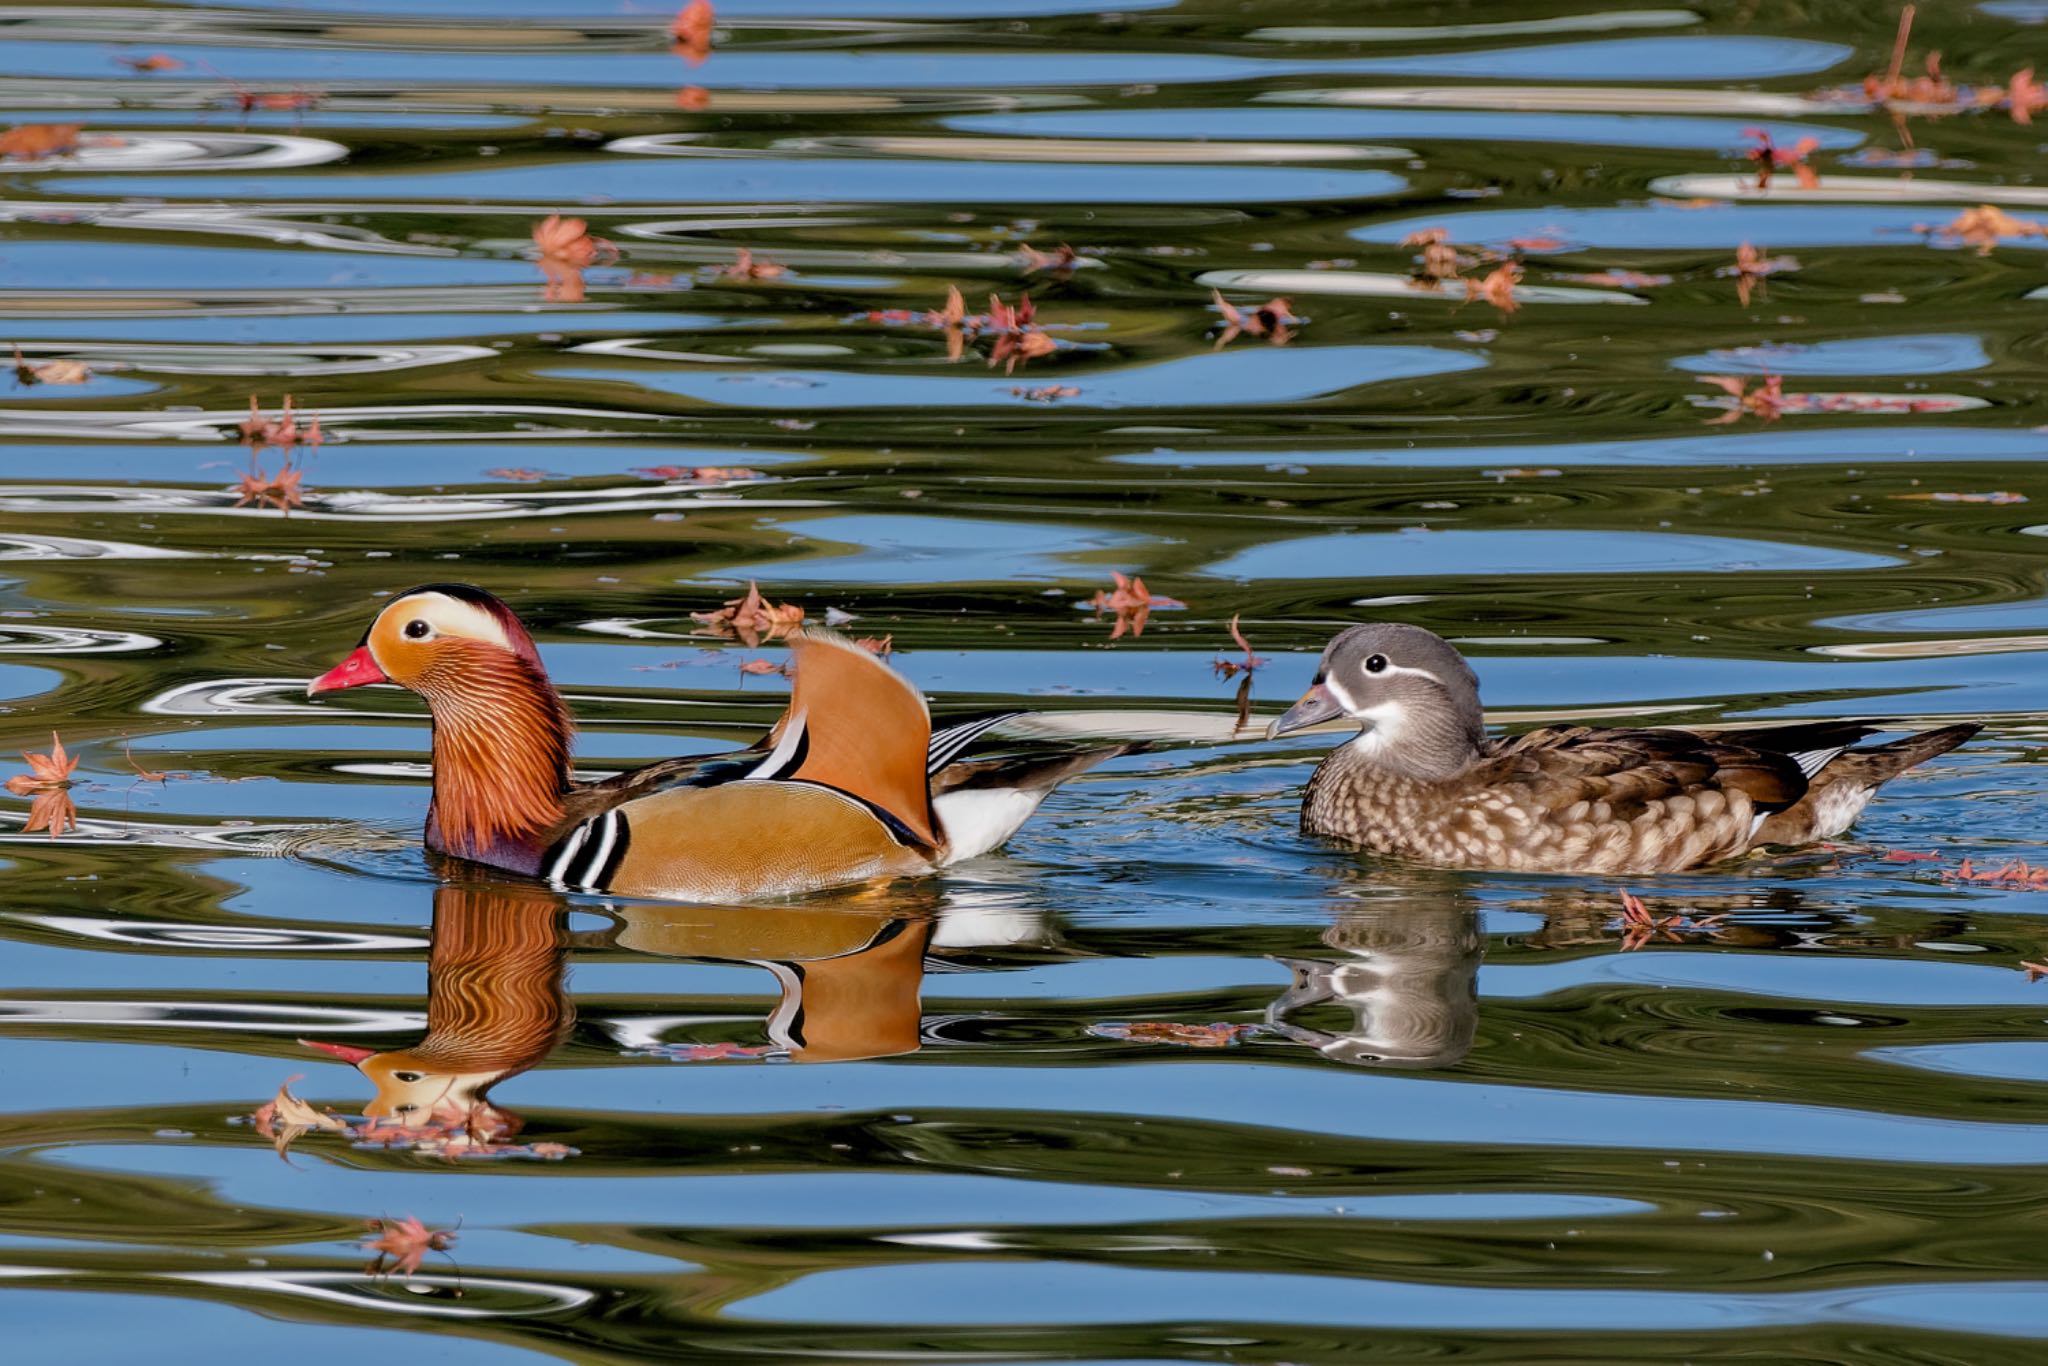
446, 616
1344, 699
1394, 670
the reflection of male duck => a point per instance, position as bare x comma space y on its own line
1410, 980
849, 980
495, 1007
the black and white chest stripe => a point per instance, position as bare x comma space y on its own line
585, 859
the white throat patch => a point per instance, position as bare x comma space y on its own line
1383, 725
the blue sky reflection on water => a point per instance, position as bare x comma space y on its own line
1162, 1078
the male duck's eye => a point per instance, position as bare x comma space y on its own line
416, 629
407, 1076
1376, 665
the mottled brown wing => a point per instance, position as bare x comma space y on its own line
1560, 766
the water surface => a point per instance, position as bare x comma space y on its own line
1439, 1116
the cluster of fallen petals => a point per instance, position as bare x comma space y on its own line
1984, 227
1221, 1034
284, 1118
691, 32
745, 267
147, 775
697, 474
1640, 927
1059, 262
1230, 668
1439, 260
282, 431
1274, 320
280, 490
34, 141
1018, 339
751, 618
1132, 603
566, 249
2012, 873
1615, 279
1016, 335
1752, 267
1045, 393
46, 770
1894, 85
1497, 287
260, 488
709, 1052
28, 372
481, 1131
1766, 401
402, 1244
2023, 95
1932, 94
48, 781
272, 101
1769, 157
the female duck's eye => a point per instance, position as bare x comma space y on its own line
416, 629
1376, 665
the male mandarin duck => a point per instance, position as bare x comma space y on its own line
851, 784
1424, 781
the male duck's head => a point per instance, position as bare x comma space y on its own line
501, 733
1414, 697
434, 639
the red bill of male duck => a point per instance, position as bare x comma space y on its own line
851, 784
1424, 781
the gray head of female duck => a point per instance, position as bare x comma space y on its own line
1414, 696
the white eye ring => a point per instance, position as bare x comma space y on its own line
1376, 665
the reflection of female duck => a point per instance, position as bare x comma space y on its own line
495, 1007
1411, 981
849, 980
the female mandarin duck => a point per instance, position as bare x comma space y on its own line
1424, 781
851, 784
